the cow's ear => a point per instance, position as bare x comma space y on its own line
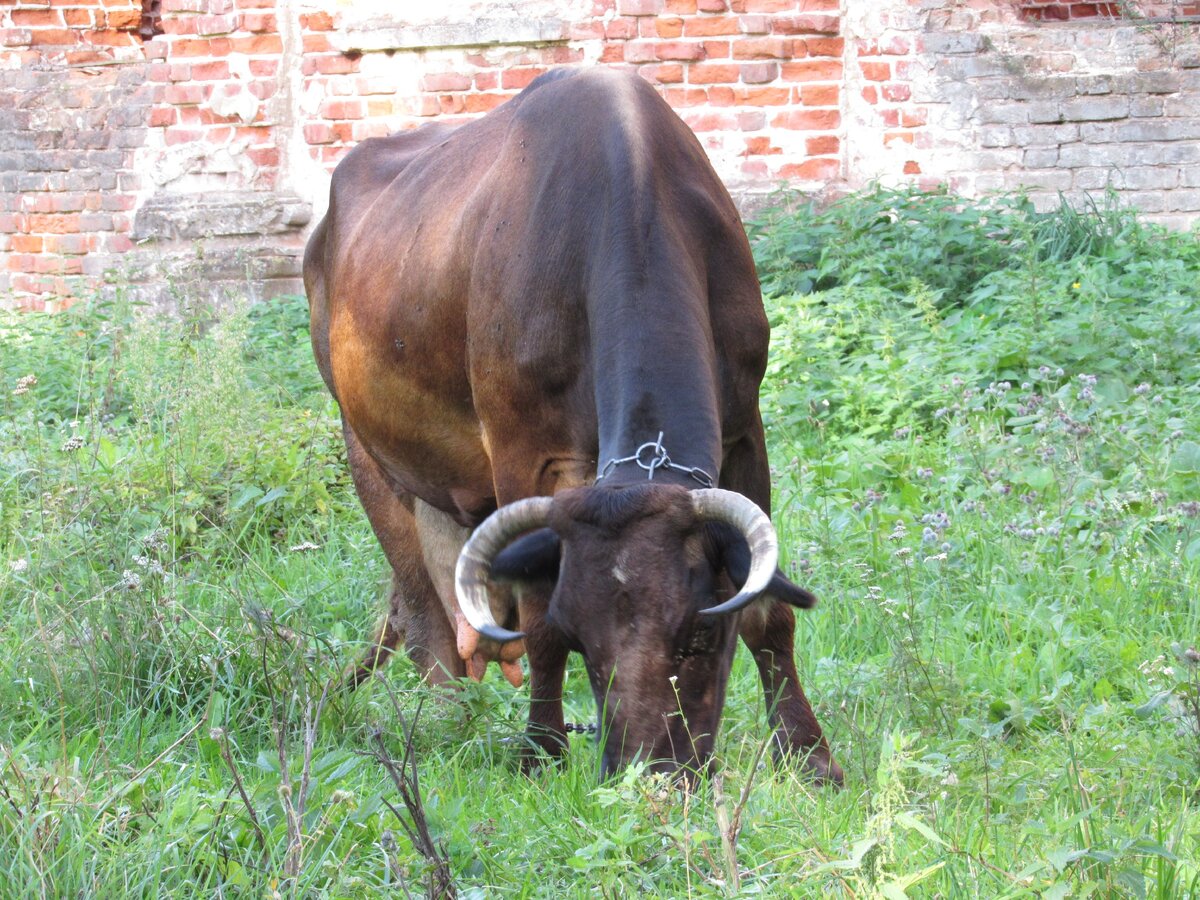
733, 554
533, 556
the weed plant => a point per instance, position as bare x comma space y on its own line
983, 423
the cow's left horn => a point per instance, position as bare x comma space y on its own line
475, 561
753, 524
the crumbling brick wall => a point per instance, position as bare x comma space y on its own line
186, 145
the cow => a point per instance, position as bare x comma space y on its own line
545, 327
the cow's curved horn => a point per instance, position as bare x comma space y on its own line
753, 524
475, 561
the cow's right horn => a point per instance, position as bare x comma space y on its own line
475, 561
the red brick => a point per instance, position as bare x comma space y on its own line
86, 57
260, 45
752, 120
902, 137
265, 156
760, 72
870, 94
484, 102
210, 25
79, 17
53, 224
342, 109
123, 19
181, 94
15, 37
808, 120
487, 81
315, 43
317, 21
445, 81
812, 170
712, 6
613, 52
679, 50
824, 145
259, 22
26, 243
639, 7
665, 74
760, 146
707, 121
896, 93
58, 37
807, 24
912, 167
162, 116
586, 31
264, 68
873, 71
621, 29
192, 47
680, 98
759, 6
762, 48
914, 118
812, 70
715, 49
754, 24
668, 27
710, 26
825, 46
763, 96
641, 51
516, 79
819, 94
713, 73
336, 65
218, 70
681, 7
110, 37
721, 96
37, 18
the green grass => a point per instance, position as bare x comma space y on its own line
983, 424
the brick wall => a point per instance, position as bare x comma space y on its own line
184, 146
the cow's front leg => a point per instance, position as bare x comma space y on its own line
769, 631
547, 732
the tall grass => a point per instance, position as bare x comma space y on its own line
983, 427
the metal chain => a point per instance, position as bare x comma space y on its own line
658, 459
588, 728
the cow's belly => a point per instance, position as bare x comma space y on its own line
428, 442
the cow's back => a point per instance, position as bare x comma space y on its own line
477, 279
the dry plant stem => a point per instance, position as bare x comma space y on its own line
405, 777
728, 836
150, 765
223, 743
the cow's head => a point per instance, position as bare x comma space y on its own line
640, 591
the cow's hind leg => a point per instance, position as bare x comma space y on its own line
769, 632
414, 614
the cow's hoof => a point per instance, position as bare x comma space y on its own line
539, 749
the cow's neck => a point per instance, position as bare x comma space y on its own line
655, 371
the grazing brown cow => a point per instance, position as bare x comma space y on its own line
519, 318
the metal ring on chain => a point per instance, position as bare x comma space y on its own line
579, 728
659, 459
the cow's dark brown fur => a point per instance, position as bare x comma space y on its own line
497, 309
